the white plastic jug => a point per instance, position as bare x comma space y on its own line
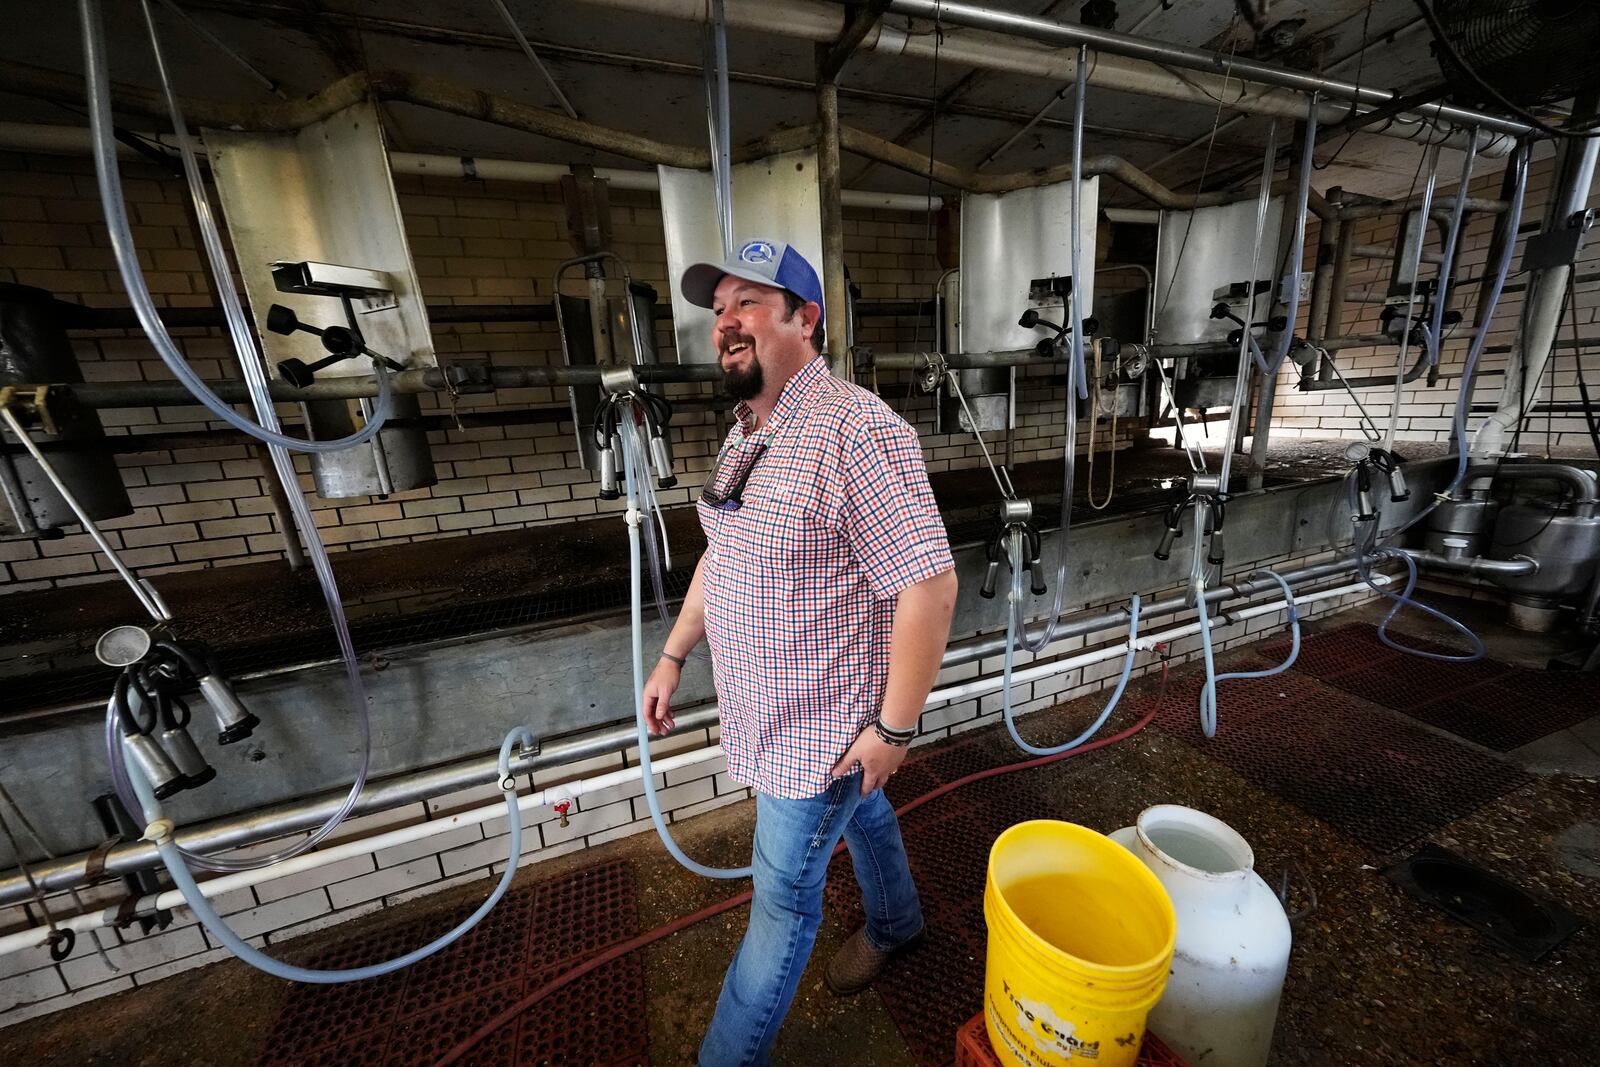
1221, 1002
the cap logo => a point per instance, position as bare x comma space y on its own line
757, 252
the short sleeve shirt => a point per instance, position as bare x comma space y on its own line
836, 517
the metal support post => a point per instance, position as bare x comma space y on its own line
828, 188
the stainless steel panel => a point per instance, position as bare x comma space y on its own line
323, 194
399, 458
1007, 241
1198, 252
774, 198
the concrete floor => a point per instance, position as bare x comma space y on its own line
1376, 977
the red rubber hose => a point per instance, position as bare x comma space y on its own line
619, 949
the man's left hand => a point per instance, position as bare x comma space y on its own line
878, 760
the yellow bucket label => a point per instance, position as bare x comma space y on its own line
1022, 1022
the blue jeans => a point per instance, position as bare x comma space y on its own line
793, 844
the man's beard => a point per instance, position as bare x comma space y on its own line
744, 383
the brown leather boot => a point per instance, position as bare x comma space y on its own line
858, 963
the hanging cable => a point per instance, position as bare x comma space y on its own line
717, 116
250, 364
1242, 377
1076, 386
1519, 165
1364, 542
1297, 247
1002, 477
1452, 237
1414, 264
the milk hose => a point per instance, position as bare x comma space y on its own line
1077, 377
617, 949
1451, 237
632, 472
1208, 693
1519, 161
244, 343
159, 832
1362, 543
98, 91
1015, 610
1197, 578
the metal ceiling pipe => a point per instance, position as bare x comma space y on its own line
990, 41
1577, 163
871, 146
411, 787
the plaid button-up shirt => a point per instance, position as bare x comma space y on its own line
836, 517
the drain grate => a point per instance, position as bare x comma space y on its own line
1507, 914
417, 1014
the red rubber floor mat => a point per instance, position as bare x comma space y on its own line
1486, 702
1371, 773
417, 1014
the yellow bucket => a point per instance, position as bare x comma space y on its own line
1080, 945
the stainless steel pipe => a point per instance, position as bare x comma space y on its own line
1477, 566
1161, 53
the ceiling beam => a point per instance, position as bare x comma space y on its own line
864, 18
267, 10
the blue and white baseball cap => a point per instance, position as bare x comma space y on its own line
764, 262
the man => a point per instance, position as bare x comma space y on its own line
825, 594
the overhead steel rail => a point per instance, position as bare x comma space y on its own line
1070, 34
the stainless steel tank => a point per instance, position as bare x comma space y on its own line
34, 350
1564, 539
1462, 520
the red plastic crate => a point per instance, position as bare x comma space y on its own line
973, 1048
